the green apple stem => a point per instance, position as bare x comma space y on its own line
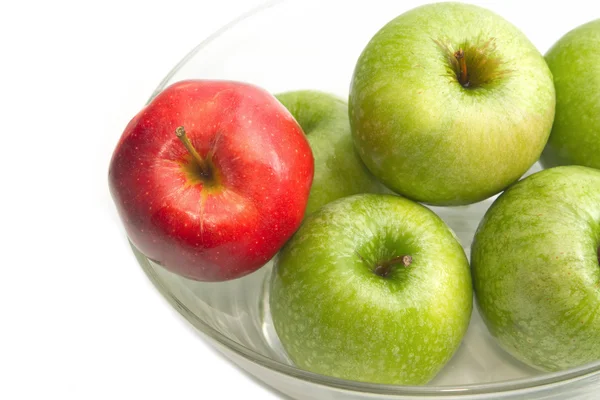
384, 268
202, 164
464, 76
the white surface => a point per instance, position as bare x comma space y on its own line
79, 320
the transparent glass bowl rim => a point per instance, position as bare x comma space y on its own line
543, 381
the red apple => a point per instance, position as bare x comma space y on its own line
211, 178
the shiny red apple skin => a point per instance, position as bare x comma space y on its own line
230, 226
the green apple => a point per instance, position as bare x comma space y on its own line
372, 287
339, 171
450, 103
536, 272
575, 63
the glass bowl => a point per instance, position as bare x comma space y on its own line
296, 44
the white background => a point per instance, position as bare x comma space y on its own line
78, 318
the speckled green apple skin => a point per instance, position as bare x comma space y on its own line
575, 63
426, 136
535, 268
336, 317
339, 171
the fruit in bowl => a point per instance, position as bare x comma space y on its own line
575, 64
444, 94
339, 171
536, 272
235, 316
211, 178
372, 288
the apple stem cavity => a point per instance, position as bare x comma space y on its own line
384, 268
474, 64
463, 76
205, 171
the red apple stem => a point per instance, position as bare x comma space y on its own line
204, 168
384, 268
462, 63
